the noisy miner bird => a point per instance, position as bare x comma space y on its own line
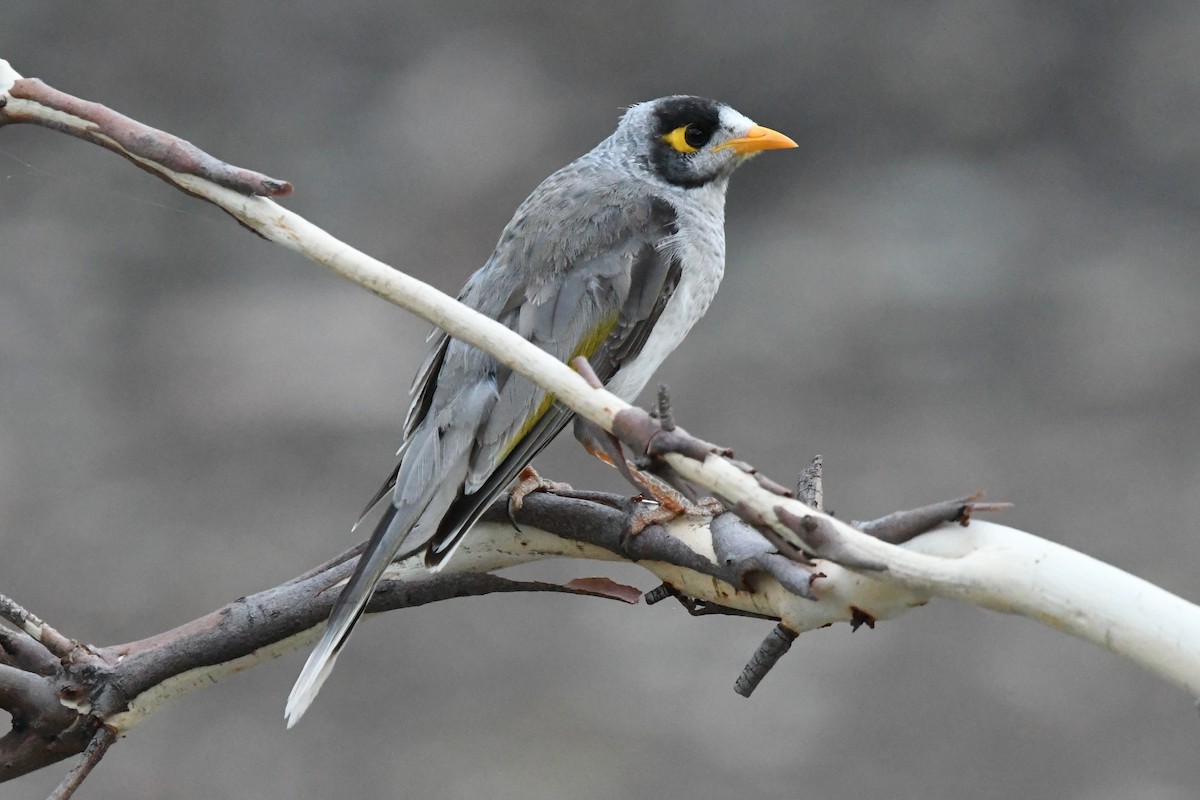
614, 257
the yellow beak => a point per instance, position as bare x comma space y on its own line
756, 139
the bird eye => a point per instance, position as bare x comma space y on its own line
695, 137
688, 138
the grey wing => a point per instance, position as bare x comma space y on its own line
603, 308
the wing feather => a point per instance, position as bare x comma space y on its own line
605, 310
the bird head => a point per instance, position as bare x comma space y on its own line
691, 141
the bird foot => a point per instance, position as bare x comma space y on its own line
528, 482
672, 499
667, 507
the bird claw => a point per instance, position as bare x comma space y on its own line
668, 506
528, 482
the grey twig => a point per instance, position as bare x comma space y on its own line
19, 649
95, 751
810, 489
822, 540
658, 594
53, 641
24, 695
905, 525
778, 642
665, 418
133, 140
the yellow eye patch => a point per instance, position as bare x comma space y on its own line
678, 139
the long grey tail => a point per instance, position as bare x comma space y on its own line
381, 550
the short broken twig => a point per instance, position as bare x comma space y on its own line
773, 648
810, 489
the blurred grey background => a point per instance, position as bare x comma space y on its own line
978, 271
